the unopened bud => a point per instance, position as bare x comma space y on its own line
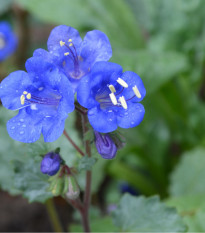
50, 164
105, 145
73, 188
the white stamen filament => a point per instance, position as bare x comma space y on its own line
122, 82
123, 102
136, 91
113, 98
112, 88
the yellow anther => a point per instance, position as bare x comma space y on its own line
113, 98
28, 96
71, 44
136, 91
112, 88
62, 43
122, 82
25, 92
22, 98
66, 54
70, 40
123, 102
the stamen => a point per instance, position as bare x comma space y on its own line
66, 54
123, 102
70, 40
122, 82
112, 88
62, 43
22, 98
25, 92
113, 98
136, 91
28, 96
71, 44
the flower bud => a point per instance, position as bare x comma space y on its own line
73, 188
105, 145
51, 163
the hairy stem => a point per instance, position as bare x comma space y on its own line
73, 143
87, 195
56, 224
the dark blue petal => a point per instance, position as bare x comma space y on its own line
130, 117
103, 121
63, 33
133, 79
50, 164
105, 145
12, 87
25, 128
102, 74
52, 128
95, 47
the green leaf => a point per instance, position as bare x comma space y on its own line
108, 16
140, 214
188, 176
32, 183
97, 225
5, 5
86, 163
166, 65
192, 208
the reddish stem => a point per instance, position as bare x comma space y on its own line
73, 143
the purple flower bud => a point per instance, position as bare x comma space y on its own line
50, 164
105, 145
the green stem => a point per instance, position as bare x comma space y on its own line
56, 224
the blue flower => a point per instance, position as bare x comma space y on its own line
112, 97
105, 145
44, 97
50, 164
8, 41
75, 56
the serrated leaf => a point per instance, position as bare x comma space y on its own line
86, 163
188, 176
140, 214
192, 208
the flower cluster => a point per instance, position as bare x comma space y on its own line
8, 41
44, 95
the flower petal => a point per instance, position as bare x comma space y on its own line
52, 128
63, 33
95, 47
25, 128
133, 79
12, 87
130, 117
103, 121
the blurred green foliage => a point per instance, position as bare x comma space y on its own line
164, 42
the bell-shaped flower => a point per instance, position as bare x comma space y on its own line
8, 40
112, 97
43, 96
73, 55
